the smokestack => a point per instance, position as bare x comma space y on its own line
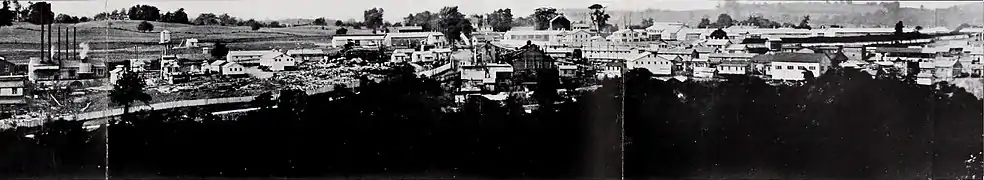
50, 57
75, 41
42, 43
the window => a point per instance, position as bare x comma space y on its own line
789, 67
813, 68
777, 67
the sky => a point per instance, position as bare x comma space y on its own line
395, 10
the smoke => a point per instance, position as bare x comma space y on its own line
85, 50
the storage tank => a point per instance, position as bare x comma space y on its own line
165, 36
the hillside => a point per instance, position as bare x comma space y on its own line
852, 15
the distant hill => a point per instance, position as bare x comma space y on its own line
850, 15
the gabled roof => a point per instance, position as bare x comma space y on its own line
734, 63
898, 50
706, 49
228, 64
272, 54
248, 53
791, 57
305, 51
675, 51
217, 63
735, 47
718, 42
730, 55
945, 63
669, 57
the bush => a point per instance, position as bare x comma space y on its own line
145, 26
255, 26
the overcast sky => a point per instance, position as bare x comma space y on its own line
395, 10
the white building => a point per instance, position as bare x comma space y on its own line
415, 39
360, 40
246, 57
477, 77
658, 65
307, 54
791, 66
277, 61
232, 69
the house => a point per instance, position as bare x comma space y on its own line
609, 53
487, 36
576, 38
792, 66
701, 68
560, 22
702, 52
528, 60
684, 53
277, 61
405, 29
414, 40
246, 57
730, 56
735, 48
542, 38
232, 69
116, 74
927, 71
658, 65
486, 77
718, 43
946, 70
628, 35
566, 69
359, 40
13, 90
214, 67
307, 54
733, 67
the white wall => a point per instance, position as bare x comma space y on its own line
782, 71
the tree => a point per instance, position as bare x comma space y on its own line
426, 20
101, 16
7, 16
179, 16
704, 23
84, 19
648, 22
478, 20
805, 23
227, 20
453, 24
166, 17
64, 18
144, 12
541, 17
898, 28
319, 22
501, 20
599, 17
275, 24
719, 34
254, 25
145, 26
723, 21
263, 101
220, 51
339, 23
40, 13
206, 19
341, 31
127, 90
373, 18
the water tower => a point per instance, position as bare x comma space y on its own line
165, 41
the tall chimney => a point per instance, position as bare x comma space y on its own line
42, 43
50, 58
75, 42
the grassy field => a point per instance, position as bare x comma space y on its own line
120, 39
